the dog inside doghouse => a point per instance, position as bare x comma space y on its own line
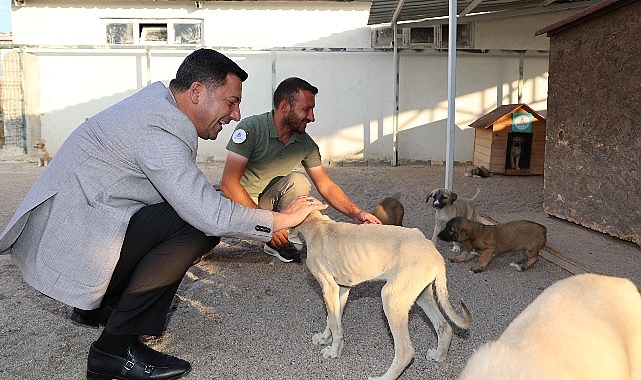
519, 151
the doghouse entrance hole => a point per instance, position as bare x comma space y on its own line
526, 150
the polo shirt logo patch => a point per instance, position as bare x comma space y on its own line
239, 136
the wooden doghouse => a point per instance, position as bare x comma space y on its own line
497, 136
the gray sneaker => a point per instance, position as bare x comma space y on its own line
285, 254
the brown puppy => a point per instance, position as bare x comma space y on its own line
343, 255
390, 211
43, 154
583, 327
491, 240
477, 171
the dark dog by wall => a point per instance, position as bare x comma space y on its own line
390, 211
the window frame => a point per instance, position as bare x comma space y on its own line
141, 28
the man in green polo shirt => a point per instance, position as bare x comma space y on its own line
262, 153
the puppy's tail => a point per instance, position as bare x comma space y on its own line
478, 190
440, 283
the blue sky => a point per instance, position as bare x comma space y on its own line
5, 15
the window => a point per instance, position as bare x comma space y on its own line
187, 33
120, 33
154, 32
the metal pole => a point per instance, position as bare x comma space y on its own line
148, 56
397, 13
396, 85
451, 94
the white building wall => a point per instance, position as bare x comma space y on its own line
255, 24
274, 40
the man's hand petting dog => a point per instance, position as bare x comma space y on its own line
296, 211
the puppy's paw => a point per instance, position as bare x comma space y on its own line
518, 266
477, 269
320, 339
433, 354
333, 351
462, 257
456, 248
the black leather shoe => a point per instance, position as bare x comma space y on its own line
142, 362
92, 318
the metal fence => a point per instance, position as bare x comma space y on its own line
12, 112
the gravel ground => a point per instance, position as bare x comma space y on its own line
241, 314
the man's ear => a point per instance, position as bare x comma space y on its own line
284, 106
195, 91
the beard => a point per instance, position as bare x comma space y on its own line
294, 123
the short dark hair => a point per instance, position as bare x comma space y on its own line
288, 90
207, 66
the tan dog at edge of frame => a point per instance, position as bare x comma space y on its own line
341, 255
43, 154
585, 327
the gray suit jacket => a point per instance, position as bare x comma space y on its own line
67, 234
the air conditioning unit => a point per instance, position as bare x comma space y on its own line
421, 37
382, 37
464, 36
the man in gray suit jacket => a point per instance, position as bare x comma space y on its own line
115, 221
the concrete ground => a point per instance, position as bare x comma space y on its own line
241, 314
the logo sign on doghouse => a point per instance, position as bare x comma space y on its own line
521, 122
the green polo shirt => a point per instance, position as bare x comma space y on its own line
256, 139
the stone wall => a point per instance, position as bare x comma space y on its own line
593, 149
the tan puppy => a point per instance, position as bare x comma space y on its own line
491, 240
515, 152
43, 154
390, 211
447, 205
584, 327
342, 255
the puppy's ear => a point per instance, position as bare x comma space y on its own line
430, 195
461, 234
453, 196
